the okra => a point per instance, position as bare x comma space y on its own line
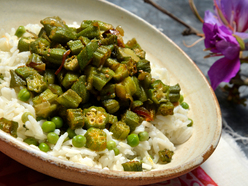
24, 43
95, 117
75, 46
100, 56
91, 32
144, 65
54, 55
165, 109
75, 118
62, 34
79, 87
131, 119
69, 79
108, 91
47, 95
86, 55
102, 77
49, 76
36, 83
35, 61
45, 109
9, 126
133, 44
96, 139
120, 130
174, 94
69, 99
112, 64
71, 63
159, 93
132, 166
111, 105
16, 81
25, 72
165, 155
39, 46
56, 89
121, 73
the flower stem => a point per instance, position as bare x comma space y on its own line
188, 31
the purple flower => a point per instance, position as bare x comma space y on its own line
233, 14
218, 28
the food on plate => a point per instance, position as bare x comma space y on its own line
80, 93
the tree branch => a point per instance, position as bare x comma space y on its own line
188, 31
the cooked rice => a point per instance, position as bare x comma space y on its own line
164, 132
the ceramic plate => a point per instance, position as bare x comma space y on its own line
161, 50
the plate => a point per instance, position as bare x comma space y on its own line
161, 50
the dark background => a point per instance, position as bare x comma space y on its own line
236, 116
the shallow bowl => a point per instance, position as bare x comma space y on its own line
204, 107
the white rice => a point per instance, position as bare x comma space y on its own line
164, 132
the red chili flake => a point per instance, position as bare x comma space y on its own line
63, 61
141, 111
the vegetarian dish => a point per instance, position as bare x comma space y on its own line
80, 93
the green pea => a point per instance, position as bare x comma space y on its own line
143, 136
25, 116
116, 150
111, 145
133, 140
191, 123
185, 105
31, 141
78, 141
24, 95
181, 98
48, 126
20, 31
58, 121
44, 147
52, 137
71, 133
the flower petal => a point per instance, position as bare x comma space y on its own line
211, 18
223, 70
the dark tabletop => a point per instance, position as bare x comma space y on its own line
236, 116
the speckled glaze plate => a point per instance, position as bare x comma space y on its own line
204, 106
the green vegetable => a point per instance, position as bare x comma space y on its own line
191, 123
132, 166
9, 126
20, 31
116, 150
52, 137
24, 95
71, 133
16, 81
69, 99
95, 117
75, 118
79, 87
165, 155
111, 145
36, 83
96, 139
185, 105
133, 140
44, 147
31, 141
48, 126
111, 105
24, 43
78, 141
58, 121
120, 130
143, 136
131, 119
25, 116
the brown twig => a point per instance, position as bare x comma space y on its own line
188, 31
